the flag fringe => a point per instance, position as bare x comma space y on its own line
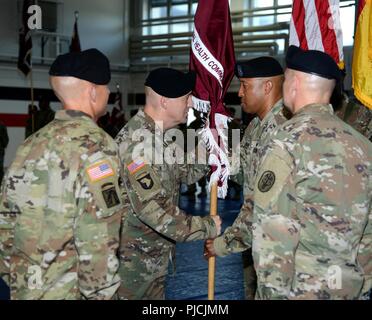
363, 98
218, 155
201, 105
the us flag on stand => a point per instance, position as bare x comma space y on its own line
315, 25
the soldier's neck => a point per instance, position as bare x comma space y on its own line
88, 111
301, 103
158, 120
269, 104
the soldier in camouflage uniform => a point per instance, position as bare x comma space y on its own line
4, 140
356, 115
261, 82
154, 222
311, 228
60, 207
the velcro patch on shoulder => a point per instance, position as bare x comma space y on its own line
136, 165
271, 179
266, 181
102, 182
100, 170
110, 195
143, 180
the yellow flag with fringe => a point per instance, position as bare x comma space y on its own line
362, 58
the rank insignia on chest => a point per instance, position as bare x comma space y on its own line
266, 181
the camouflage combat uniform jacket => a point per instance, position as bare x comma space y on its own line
256, 136
4, 140
356, 115
311, 232
154, 222
60, 213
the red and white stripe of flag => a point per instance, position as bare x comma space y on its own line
315, 25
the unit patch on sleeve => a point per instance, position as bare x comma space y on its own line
110, 195
266, 181
145, 181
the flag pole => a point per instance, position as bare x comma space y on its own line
212, 260
32, 95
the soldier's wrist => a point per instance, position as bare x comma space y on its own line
210, 227
220, 246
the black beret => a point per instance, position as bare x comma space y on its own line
261, 67
171, 83
90, 65
314, 62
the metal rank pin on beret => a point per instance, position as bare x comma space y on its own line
262, 67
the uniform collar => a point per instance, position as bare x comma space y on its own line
316, 108
278, 106
148, 121
149, 124
72, 115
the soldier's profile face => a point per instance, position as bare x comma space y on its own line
251, 93
178, 108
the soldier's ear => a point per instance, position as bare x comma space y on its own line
93, 94
268, 86
163, 102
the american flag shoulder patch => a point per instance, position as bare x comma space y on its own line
99, 171
135, 165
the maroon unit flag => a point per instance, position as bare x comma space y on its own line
212, 58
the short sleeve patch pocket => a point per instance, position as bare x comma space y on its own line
143, 179
103, 183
